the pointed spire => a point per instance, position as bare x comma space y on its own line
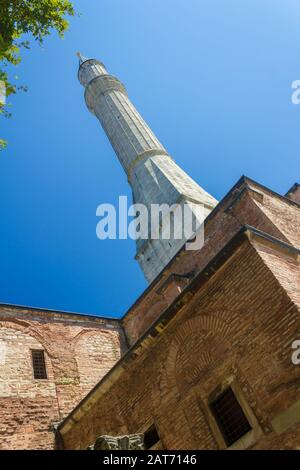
81, 58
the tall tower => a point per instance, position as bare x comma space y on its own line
151, 172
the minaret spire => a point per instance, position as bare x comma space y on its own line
152, 173
81, 58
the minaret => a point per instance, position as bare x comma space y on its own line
151, 172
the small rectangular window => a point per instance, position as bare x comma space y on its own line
151, 437
230, 417
38, 364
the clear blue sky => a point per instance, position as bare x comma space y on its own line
211, 77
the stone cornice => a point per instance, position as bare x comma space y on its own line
9, 310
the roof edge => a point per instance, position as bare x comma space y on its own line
59, 312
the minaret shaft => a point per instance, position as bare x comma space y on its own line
151, 172
127, 131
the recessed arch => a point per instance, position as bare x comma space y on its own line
182, 369
96, 352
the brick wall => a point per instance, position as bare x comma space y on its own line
237, 328
247, 203
78, 352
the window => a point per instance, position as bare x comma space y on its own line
151, 437
38, 364
230, 417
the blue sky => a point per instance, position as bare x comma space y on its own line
213, 80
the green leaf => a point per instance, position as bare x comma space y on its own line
3, 144
39, 18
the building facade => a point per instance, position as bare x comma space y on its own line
203, 359
48, 362
210, 358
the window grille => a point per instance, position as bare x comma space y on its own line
230, 417
38, 364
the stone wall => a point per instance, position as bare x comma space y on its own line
78, 351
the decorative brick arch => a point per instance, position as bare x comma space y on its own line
191, 351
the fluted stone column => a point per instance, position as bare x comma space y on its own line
153, 175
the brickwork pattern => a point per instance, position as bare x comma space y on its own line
78, 352
238, 328
248, 203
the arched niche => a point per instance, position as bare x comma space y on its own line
96, 352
